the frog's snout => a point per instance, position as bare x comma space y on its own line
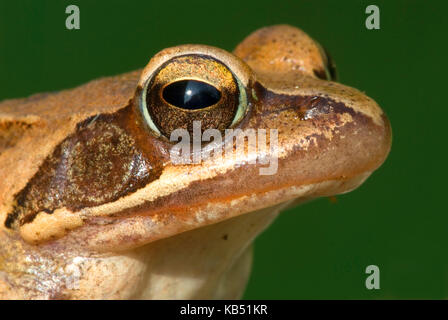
327, 130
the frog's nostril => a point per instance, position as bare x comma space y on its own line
191, 94
329, 72
331, 66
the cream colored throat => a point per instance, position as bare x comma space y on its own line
213, 262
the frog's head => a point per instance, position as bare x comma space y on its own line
121, 162
115, 181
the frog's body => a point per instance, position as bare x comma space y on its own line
91, 206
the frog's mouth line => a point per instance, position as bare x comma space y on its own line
196, 195
156, 225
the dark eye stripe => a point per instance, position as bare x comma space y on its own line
99, 163
191, 94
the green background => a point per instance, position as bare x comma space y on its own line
397, 220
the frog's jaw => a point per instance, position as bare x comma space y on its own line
212, 262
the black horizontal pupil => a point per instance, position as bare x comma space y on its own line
191, 94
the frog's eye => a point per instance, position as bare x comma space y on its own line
192, 88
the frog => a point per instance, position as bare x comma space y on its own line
92, 205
